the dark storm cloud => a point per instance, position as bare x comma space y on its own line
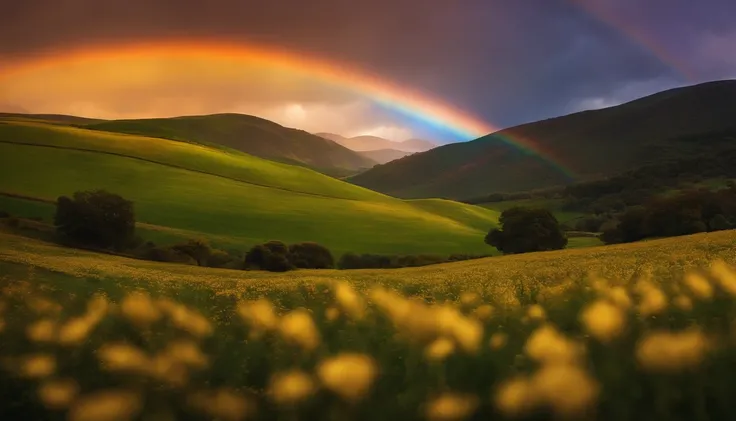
507, 61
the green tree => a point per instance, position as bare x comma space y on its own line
271, 256
198, 249
311, 256
96, 218
526, 230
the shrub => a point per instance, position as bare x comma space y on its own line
526, 230
310, 256
95, 218
163, 254
219, 259
198, 250
271, 256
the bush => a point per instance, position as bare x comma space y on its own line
95, 218
271, 256
198, 250
526, 230
219, 259
688, 212
310, 256
4, 214
163, 254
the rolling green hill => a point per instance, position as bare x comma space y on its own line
184, 190
249, 134
591, 144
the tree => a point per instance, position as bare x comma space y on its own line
96, 218
310, 256
199, 250
271, 256
526, 230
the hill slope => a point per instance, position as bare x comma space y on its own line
186, 190
592, 143
249, 134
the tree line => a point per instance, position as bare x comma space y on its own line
104, 221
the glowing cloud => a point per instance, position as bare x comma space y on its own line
184, 68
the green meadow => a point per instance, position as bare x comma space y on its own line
184, 190
626, 332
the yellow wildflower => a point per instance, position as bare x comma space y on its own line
140, 309
118, 405
58, 394
548, 345
451, 407
699, 286
440, 349
348, 375
222, 404
291, 387
498, 340
603, 320
38, 365
298, 327
672, 352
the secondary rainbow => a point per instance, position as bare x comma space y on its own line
381, 91
635, 34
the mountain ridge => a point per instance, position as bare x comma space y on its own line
594, 143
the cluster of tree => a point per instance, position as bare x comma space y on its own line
685, 213
524, 230
384, 261
193, 251
276, 256
96, 219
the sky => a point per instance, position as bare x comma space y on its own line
434, 69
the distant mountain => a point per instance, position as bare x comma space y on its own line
50, 118
375, 143
383, 156
253, 135
590, 144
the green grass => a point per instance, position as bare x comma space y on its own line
232, 198
249, 134
238, 361
553, 205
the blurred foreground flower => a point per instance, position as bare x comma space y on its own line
669, 352
348, 375
118, 405
291, 388
451, 407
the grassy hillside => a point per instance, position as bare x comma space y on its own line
186, 190
591, 143
253, 135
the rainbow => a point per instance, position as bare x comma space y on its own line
392, 96
636, 35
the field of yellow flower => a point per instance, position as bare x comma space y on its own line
642, 331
